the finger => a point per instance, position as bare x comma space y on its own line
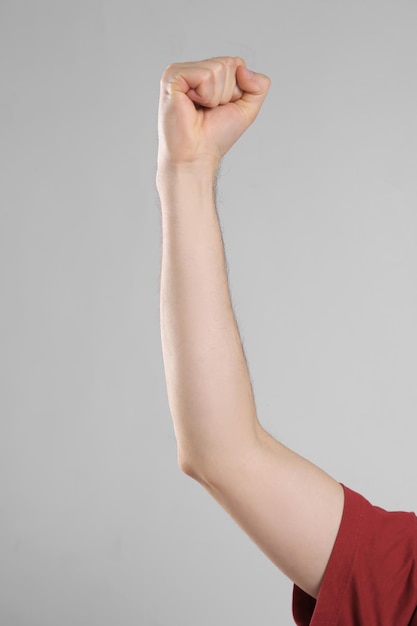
237, 94
207, 83
185, 78
231, 91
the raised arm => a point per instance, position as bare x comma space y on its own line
287, 505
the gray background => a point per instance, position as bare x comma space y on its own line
317, 204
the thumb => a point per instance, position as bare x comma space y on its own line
255, 88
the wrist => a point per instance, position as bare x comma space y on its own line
186, 192
169, 173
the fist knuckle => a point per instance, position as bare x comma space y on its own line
167, 73
209, 76
169, 68
216, 69
171, 71
229, 62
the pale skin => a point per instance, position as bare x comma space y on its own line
288, 506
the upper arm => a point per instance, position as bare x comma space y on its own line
288, 506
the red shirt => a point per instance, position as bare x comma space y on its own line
371, 577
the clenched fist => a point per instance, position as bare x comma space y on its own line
204, 107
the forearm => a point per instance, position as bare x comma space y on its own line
208, 383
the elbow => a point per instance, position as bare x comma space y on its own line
190, 467
190, 459
187, 467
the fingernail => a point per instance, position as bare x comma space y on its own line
250, 73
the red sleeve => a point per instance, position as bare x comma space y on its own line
371, 577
